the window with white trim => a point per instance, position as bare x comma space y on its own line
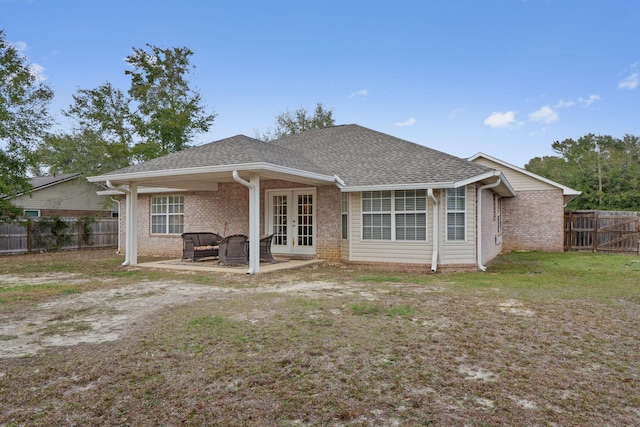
167, 214
394, 215
345, 216
411, 214
31, 213
456, 214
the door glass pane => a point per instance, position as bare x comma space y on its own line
305, 219
279, 220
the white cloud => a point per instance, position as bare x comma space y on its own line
455, 113
589, 101
564, 104
630, 82
20, 46
409, 122
500, 120
544, 114
37, 71
361, 92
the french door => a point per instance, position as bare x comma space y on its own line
291, 218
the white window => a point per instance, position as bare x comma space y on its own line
456, 214
31, 213
394, 215
345, 216
411, 214
376, 215
167, 214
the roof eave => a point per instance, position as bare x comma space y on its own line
123, 178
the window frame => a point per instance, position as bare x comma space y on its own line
344, 215
391, 214
28, 213
168, 214
456, 211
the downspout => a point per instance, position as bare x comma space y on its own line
484, 187
254, 229
128, 195
118, 202
434, 257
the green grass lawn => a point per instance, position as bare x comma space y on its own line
538, 339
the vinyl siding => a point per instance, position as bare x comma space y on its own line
74, 195
384, 250
462, 253
518, 180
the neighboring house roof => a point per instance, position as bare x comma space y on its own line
355, 157
41, 182
568, 193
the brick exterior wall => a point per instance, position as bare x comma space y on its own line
67, 213
534, 220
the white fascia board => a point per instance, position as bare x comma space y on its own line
143, 190
432, 185
135, 176
386, 187
491, 174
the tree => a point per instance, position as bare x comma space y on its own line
24, 119
101, 139
159, 114
168, 113
290, 123
605, 169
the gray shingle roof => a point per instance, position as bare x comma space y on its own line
359, 156
236, 150
363, 157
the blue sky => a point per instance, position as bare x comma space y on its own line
503, 77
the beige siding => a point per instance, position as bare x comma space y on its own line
385, 251
73, 195
518, 180
459, 253
491, 238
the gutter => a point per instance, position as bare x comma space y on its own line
434, 257
484, 187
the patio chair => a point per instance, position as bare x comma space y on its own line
265, 249
198, 245
233, 250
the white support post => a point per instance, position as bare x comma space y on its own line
132, 228
254, 225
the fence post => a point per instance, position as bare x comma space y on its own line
595, 232
79, 230
29, 236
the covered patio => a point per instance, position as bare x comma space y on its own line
245, 162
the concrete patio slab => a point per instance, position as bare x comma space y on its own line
212, 265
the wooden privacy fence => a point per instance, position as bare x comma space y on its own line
41, 234
602, 231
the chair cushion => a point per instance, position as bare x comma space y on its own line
205, 248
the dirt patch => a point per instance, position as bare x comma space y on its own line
107, 314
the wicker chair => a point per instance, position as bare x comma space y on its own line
200, 245
233, 250
265, 249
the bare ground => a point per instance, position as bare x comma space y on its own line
315, 347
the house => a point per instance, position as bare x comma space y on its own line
64, 195
344, 193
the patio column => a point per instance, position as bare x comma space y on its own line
254, 220
131, 245
254, 225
